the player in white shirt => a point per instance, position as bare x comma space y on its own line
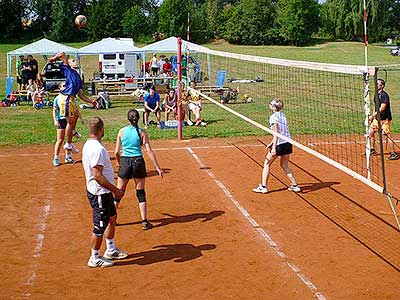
278, 147
101, 191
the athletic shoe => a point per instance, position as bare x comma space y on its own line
71, 147
393, 156
294, 188
198, 122
99, 262
202, 124
190, 123
372, 151
69, 160
116, 254
76, 134
56, 163
146, 225
260, 189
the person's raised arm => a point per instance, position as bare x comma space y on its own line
59, 56
150, 152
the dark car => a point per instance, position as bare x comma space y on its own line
53, 75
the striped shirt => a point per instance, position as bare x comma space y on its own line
279, 118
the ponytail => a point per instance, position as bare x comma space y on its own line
133, 118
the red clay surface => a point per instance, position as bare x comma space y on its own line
213, 237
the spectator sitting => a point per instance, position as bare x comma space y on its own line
169, 104
195, 103
185, 105
152, 104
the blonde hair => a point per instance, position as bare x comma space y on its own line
277, 103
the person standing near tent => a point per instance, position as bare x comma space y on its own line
73, 87
154, 65
19, 71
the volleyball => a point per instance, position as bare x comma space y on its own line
80, 21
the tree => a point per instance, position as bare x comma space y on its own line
297, 20
250, 22
133, 21
12, 14
173, 17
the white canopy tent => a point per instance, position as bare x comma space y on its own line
170, 45
41, 47
109, 46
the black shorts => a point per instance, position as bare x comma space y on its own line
19, 80
284, 149
103, 208
63, 123
132, 167
154, 70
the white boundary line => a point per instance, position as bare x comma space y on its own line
41, 234
260, 231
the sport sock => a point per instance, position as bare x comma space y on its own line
95, 253
110, 244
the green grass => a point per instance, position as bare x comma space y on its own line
24, 125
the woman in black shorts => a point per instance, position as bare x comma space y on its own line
128, 152
278, 147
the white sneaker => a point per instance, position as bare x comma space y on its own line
71, 147
116, 254
190, 123
69, 160
260, 189
99, 262
294, 188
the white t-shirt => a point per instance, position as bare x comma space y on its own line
279, 118
94, 154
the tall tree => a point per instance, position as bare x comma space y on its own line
250, 22
12, 14
133, 21
297, 20
173, 17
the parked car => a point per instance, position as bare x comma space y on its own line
53, 75
395, 51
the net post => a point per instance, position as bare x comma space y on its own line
367, 112
378, 117
179, 70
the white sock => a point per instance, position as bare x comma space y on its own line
55, 156
68, 156
110, 244
95, 253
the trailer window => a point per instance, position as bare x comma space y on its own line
109, 56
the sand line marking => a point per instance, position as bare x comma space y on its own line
273, 245
40, 236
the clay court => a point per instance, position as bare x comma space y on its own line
213, 237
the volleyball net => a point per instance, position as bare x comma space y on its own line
327, 105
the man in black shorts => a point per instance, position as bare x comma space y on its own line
101, 192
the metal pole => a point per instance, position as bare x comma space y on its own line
179, 62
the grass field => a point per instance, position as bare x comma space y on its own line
23, 125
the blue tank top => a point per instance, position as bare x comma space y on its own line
73, 82
131, 145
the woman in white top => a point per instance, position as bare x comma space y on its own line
278, 147
154, 65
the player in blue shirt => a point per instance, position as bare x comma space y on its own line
66, 98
